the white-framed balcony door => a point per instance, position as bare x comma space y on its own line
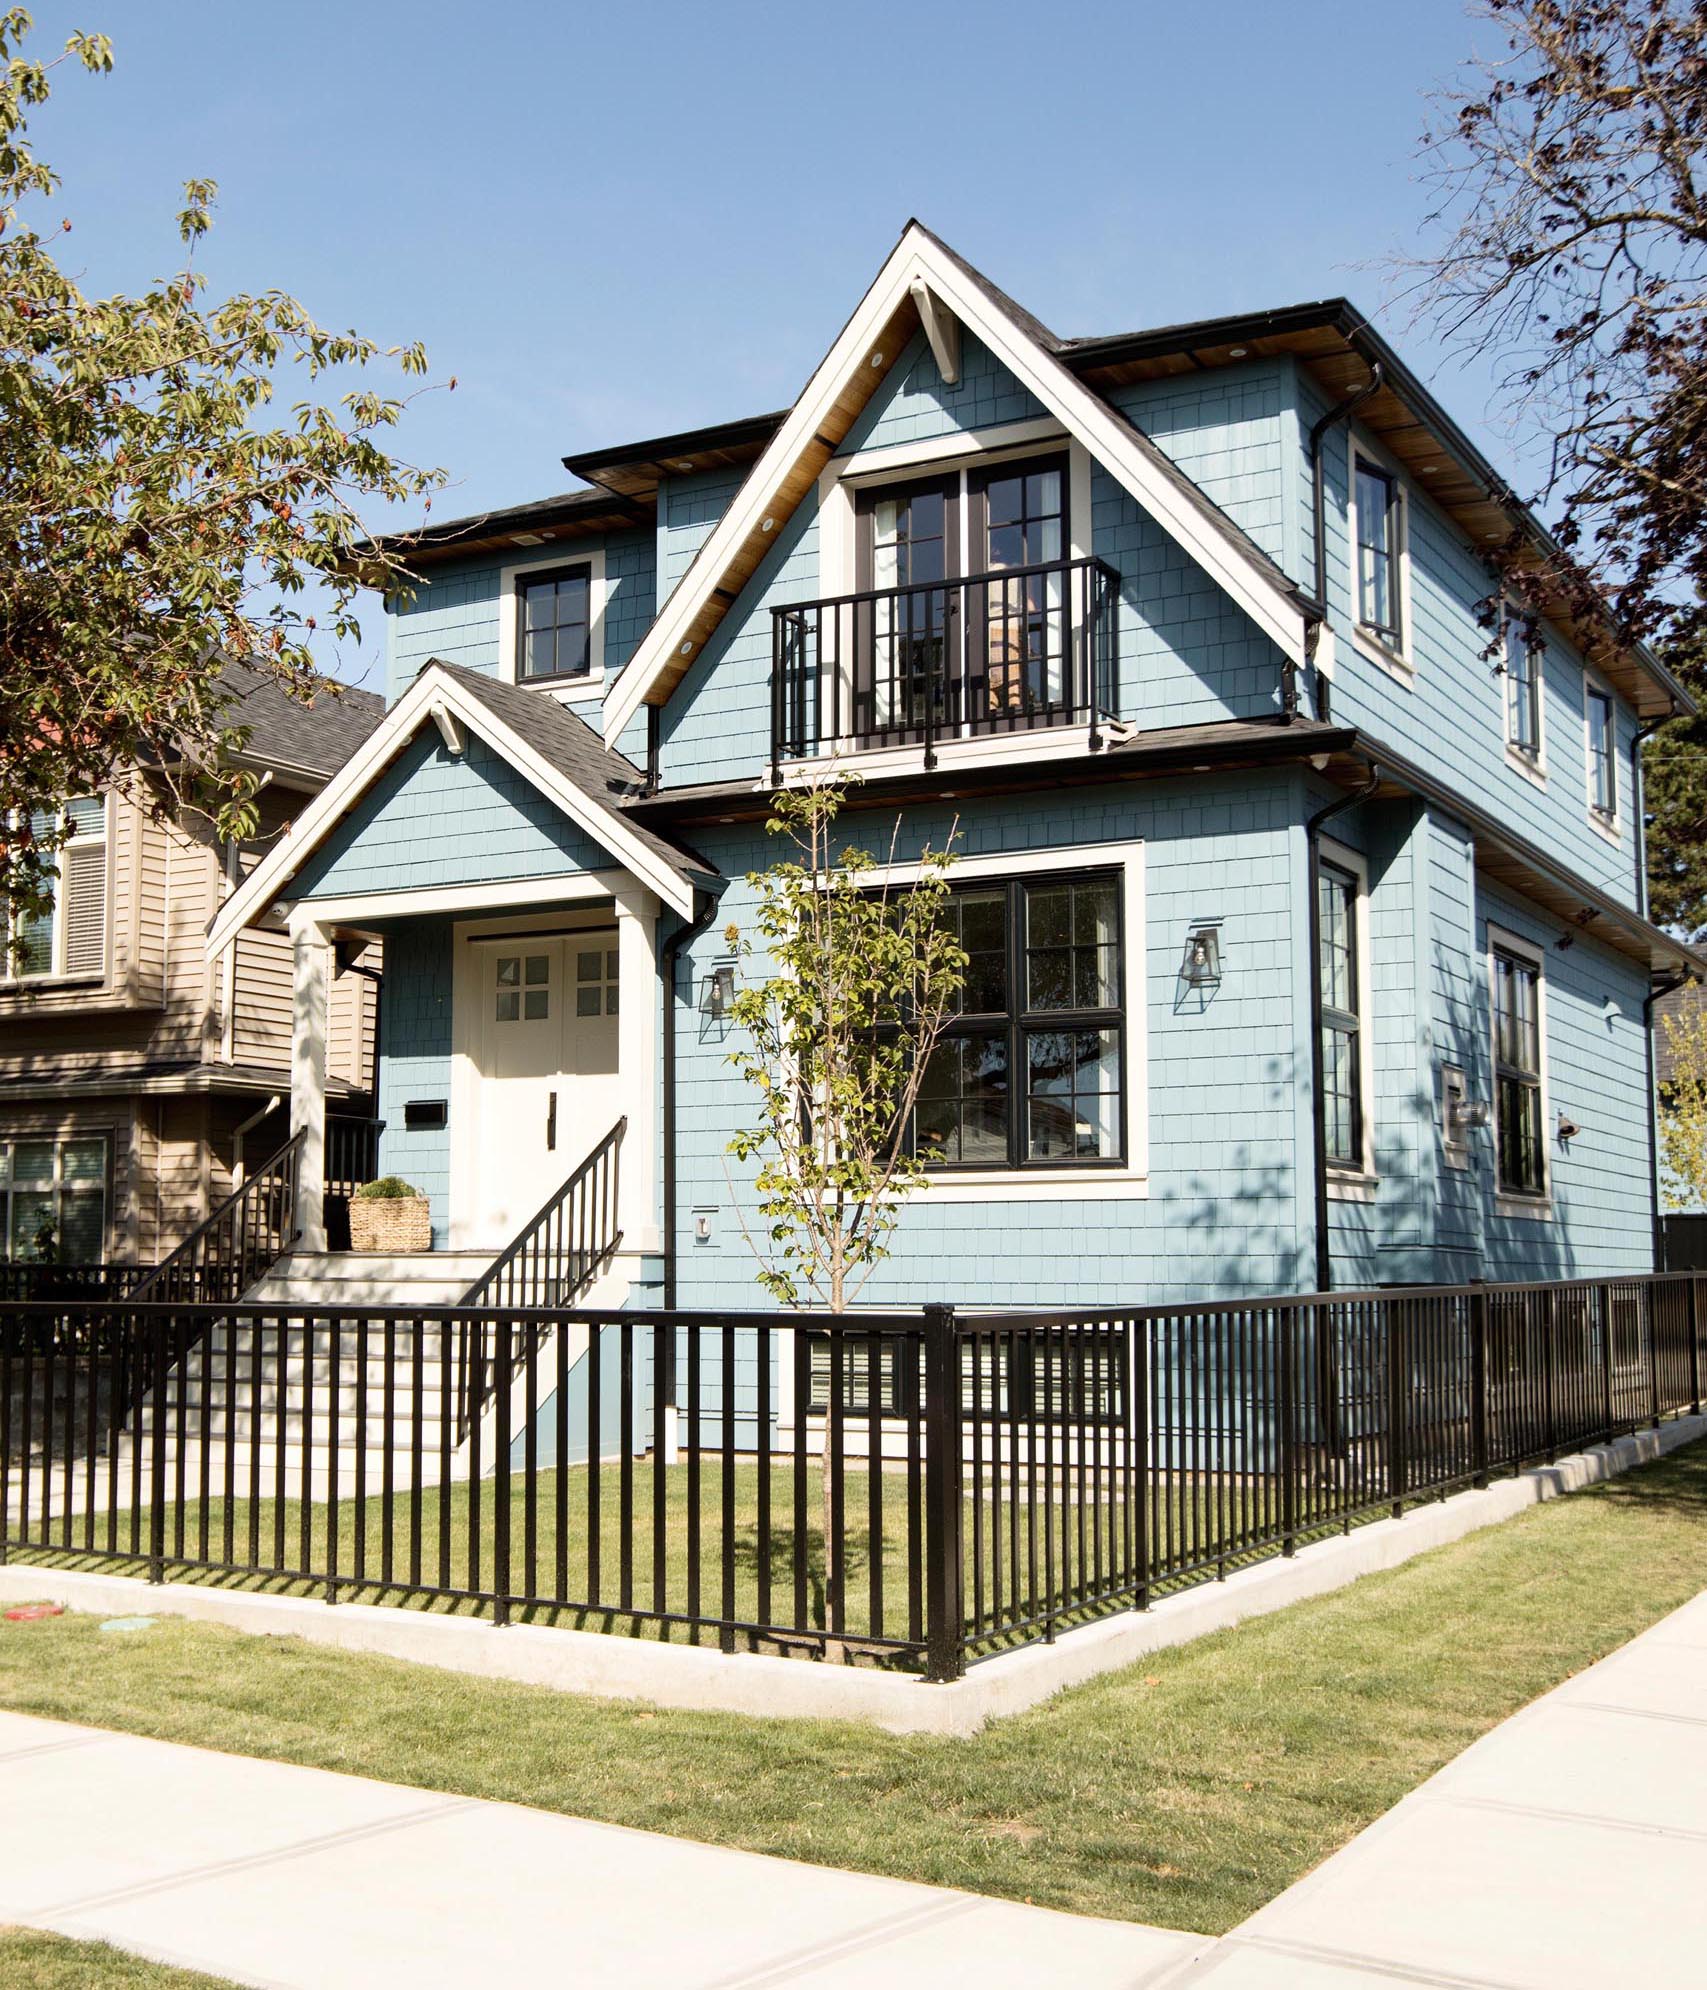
541, 1037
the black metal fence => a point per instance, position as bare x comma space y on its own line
917, 1488
26, 1278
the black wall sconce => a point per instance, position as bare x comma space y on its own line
719, 990
1200, 965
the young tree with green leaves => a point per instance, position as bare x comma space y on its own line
851, 980
1683, 1110
160, 514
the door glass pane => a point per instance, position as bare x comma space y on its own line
536, 1004
509, 970
586, 1001
587, 966
537, 969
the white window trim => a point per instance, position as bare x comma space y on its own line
1357, 1182
59, 1140
567, 691
1129, 1182
1533, 768
11, 981
1610, 826
1400, 664
1502, 939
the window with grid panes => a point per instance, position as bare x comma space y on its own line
1031, 1072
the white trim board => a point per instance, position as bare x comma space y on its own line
1111, 440
435, 685
566, 690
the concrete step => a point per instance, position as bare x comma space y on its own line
353, 1278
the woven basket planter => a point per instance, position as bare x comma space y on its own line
391, 1227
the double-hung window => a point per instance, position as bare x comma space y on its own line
1602, 761
1518, 1137
1031, 1072
67, 937
1379, 514
555, 624
1521, 662
1342, 1023
53, 1199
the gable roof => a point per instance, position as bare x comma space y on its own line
857, 363
315, 738
554, 749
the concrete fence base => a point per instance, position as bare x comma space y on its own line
689, 1676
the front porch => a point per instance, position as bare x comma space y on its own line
512, 1043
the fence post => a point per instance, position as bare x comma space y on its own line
1139, 1443
1653, 1349
157, 1452
1605, 1292
945, 1656
1694, 1345
1288, 1430
500, 1480
1479, 1387
1396, 1371
1550, 1373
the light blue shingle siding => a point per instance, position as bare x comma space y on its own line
454, 614
1221, 1102
1450, 717
433, 818
415, 1059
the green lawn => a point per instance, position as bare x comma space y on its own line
1185, 1792
449, 1542
33, 1961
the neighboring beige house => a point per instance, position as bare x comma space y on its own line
135, 1074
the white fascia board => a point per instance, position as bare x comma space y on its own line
1111, 441
436, 687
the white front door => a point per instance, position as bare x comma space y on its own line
547, 1086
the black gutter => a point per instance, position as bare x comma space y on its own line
1656, 994
1638, 790
683, 936
651, 453
1318, 1069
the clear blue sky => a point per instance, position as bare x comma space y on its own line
611, 221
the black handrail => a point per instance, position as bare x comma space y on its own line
244, 1237
1006, 651
553, 1259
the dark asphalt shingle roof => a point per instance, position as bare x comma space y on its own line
283, 731
606, 777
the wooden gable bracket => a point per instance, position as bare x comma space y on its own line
942, 328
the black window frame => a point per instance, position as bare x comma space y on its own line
535, 577
1602, 759
1342, 1022
1514, 1081
1391, 634
1018, 1023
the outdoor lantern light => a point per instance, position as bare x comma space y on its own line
1201, 965
720, 990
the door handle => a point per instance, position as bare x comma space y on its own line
551, 1125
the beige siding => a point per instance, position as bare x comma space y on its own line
260, 1031
350, 1013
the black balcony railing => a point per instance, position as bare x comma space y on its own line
919, 666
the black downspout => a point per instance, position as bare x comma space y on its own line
1656, 994
1319, 495
654, 737
684, 936
1637, 805
1318, 1073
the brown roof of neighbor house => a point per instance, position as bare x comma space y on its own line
286, 733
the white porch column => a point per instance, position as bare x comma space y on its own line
311, 963
637, 1063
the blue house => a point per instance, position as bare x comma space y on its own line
1301, 869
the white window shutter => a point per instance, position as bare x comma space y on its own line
84, 867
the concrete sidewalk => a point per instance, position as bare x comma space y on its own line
276, 1875
1566, 1848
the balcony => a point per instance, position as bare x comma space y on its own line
919, 667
